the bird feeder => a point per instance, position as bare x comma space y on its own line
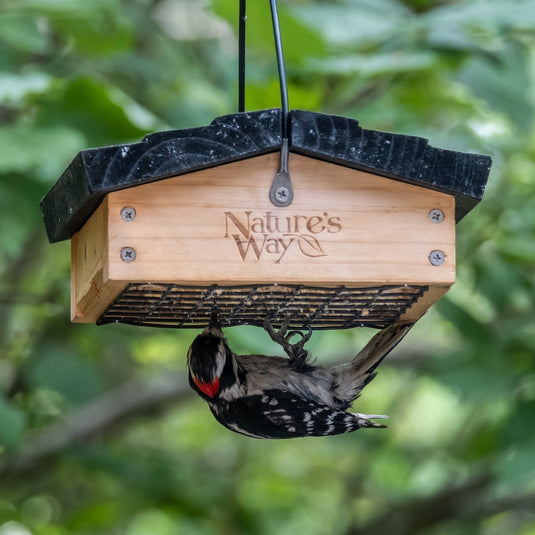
166, 230
360, 232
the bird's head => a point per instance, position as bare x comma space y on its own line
207, 357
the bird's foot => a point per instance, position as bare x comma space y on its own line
297, 353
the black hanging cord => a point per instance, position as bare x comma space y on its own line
241, 56
280, 63
281, 192
282, 70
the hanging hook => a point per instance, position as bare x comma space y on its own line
281, 192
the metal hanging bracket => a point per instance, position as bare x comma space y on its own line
281, 192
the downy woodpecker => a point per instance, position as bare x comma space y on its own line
275, 397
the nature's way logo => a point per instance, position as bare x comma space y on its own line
269, 234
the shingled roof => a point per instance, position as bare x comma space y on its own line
96, 172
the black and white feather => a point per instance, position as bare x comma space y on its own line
276, 397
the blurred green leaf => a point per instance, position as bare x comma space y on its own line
76, 8
94, 108
517, 249
12, 424
153, 521
518, 430
96, 35
497, 279
478, 381
516, 469
477, 19
15, 87
375, 64
23, 33
357, 22
503, 82
77, 380
470, 327
45, 150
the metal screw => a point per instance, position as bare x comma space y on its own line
128, 254
281, 194
437, 258
128, 214
436, 215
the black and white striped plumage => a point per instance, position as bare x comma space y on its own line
275, 397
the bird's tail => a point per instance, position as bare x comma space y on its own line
353, 377
365, 420
339, 422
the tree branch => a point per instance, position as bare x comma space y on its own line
470, 500
412, 516
103, 414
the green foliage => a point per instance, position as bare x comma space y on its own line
98, 431
13, 424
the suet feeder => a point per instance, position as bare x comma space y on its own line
361, 232
164, 230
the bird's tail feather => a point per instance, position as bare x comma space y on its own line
365, 420
356, 375
373, 353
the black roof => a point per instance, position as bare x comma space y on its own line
96, 172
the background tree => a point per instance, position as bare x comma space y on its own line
99, 432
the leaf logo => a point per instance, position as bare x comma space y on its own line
308, 245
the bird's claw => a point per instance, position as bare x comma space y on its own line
297, 353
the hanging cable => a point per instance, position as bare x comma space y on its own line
241, 56
282, 70
281, 192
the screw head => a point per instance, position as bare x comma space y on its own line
436, 215
128, 254
282, 193
128, 214
437, 257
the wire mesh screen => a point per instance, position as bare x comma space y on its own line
174, 306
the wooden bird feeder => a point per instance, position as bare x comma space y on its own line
164, 230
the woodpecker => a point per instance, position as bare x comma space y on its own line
276, 397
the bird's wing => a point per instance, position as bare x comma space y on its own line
277, 414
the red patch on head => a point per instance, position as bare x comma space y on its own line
210, 389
